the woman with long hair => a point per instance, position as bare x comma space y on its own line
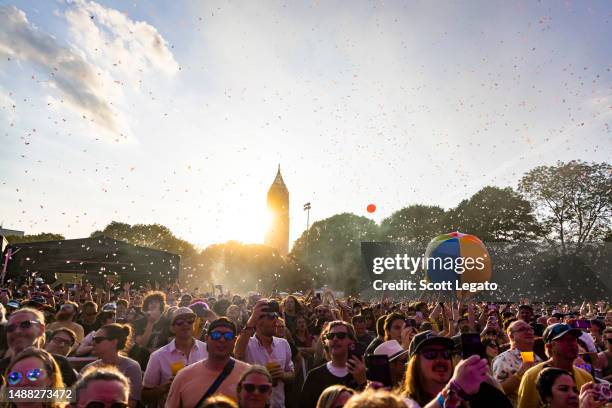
110, 343
335, 396
303, 339
103, 318
32, 368
255, 388
291, 307
491, 350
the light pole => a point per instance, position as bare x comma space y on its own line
307, 209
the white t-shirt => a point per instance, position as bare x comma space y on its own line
337, 371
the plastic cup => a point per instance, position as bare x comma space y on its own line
527, 356
176, 367
272, 365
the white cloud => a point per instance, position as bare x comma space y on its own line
114, 42
74, 77
107, 48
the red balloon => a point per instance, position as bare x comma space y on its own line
371, 208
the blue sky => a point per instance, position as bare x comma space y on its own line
180, 112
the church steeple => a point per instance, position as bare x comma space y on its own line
278, 203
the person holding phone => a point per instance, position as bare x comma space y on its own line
258, 345
342, 369
432, 382
397, 359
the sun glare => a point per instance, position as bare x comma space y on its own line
249, 227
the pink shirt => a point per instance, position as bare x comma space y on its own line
159, 368
256, 353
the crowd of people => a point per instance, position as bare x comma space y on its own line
118, 347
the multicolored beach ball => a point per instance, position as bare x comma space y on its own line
452, 246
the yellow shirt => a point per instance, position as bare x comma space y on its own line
528, 396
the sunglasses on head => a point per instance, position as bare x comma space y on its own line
262, 388
181, 322
33, 375
216, 335
99, 339
339, 335
434, 354
26, 324
270, 315
100, 404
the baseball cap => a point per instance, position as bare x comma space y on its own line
14, 304
428, 337
182, 311
111, 307
558, 330
39, 299
221, 322
391, 349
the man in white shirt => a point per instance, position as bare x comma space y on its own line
165, 362
509, 366
263, 348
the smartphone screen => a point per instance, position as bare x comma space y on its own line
471, 345
581, 324
377, 369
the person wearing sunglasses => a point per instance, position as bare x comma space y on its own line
108, 345
196, 382
103, 387
255, 388
86, 347
26, 328
344, 368
257, 344
430, 380
32, 368
165, 363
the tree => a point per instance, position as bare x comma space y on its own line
416, 223
495, 214
334, 250
43, 236
573, 201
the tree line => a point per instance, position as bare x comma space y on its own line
565, 206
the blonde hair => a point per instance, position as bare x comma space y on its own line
50, 365
255, 369
375, 399
330, 394
218, 401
